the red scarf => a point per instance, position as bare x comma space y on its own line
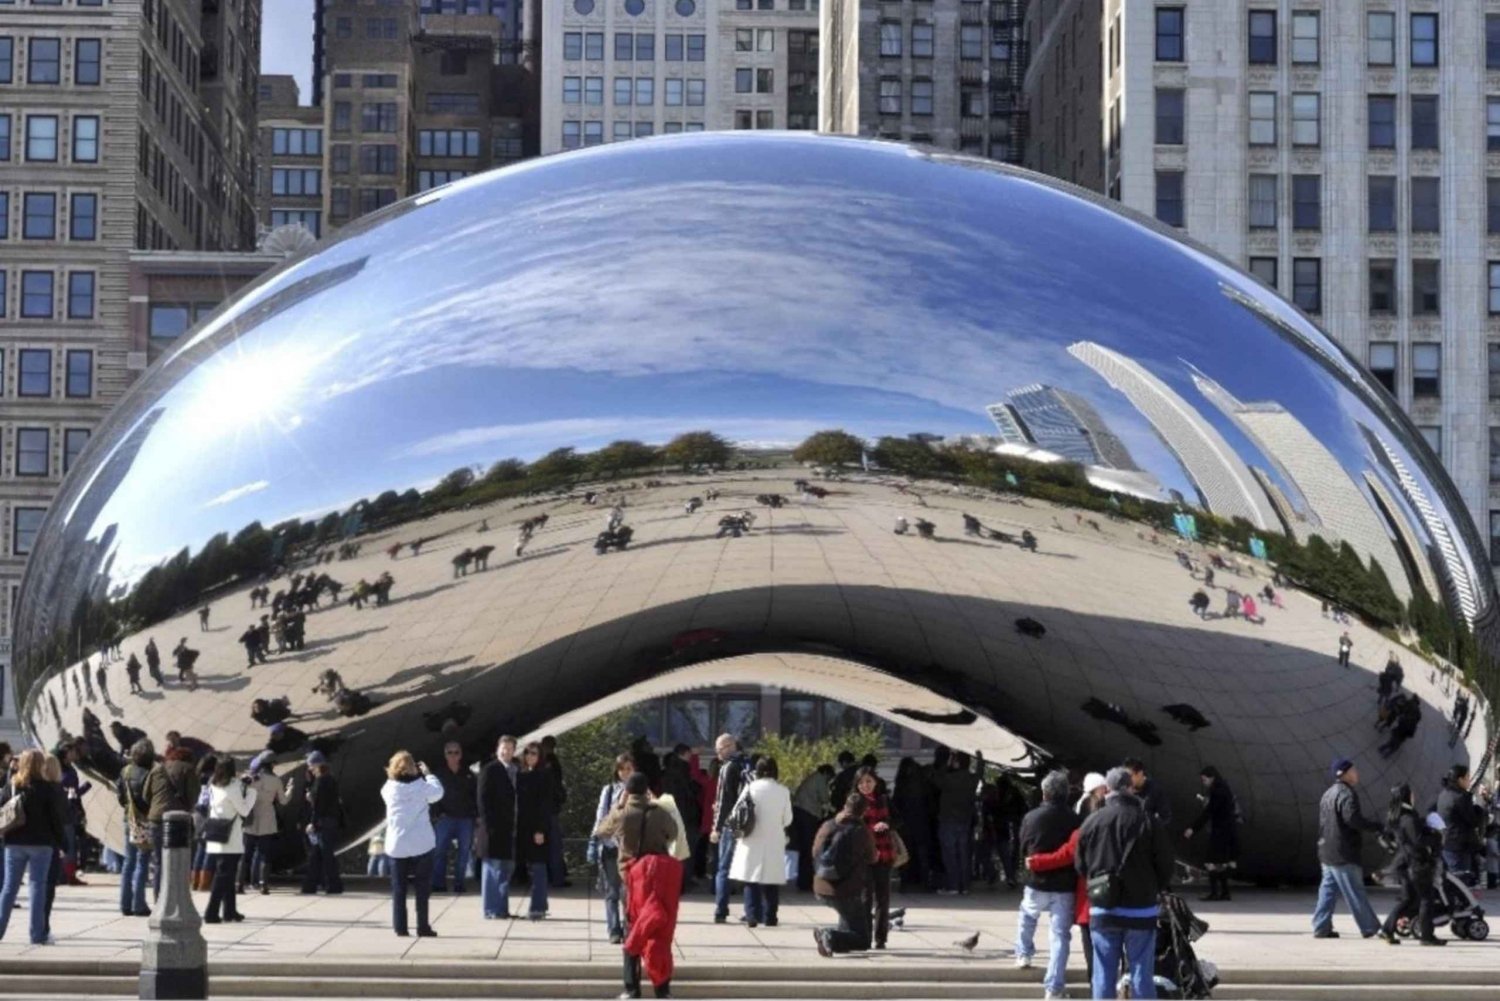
653, 887
877, 811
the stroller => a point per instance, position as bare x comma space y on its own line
1179, 971
1453, 904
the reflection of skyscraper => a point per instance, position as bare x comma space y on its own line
1222, 479
1063, 423
1461, 589
1395, 515
1294, 521
1335, 503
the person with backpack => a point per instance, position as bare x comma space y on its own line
603, 852
843, 851
1414, 860
31, 821
130, 789
760, 846
172, 786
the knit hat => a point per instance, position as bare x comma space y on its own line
1092, 781
317, 758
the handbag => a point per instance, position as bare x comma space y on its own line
898, 845
136, 830
1104, 889
216, 830
13, 813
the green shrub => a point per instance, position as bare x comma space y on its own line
796, 758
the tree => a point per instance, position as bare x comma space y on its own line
454, 483
505, 471
830, 448
559, 464
383, 505
621, 456
697, 448
913, 458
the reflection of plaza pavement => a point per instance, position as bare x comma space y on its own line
569, 627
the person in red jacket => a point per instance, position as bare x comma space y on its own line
1093, 795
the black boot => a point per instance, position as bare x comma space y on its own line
632, 971
1223, 886
664, 990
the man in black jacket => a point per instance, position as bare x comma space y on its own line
497, 818
1046, 829
1463, 837
733, 768
1149, 791
453, 817
1122, 840
1340, 823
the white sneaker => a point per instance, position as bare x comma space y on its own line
1057, 994
1023, 962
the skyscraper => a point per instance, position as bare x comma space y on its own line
1067, 424
1223, 480
1336, 506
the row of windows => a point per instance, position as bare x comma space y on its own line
310, 219
576, 134
640, 90
685, 8
753, 81
341, 201
34, 450
1264, 197
169, 321
428, 179
452, 104
39, 211
1426, 369
370, 81
34, 372
889, 98
39, 290
448, 142
44, 61
744, 118
1306, 119
297, 142
296, 180
374, 116
375, 27
971, 43
1264, 40
634, 46
42, 140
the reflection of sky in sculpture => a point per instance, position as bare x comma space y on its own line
626, 297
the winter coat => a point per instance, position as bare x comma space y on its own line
677, 781
815, 796
638, 827
1414, 852
230, 802
324, 807
1062, 859
1155, 799
1218, 818
534, 792
497, 811
270, 792
172, 785
878, 811
760, 857
732, 778
408, 815
708, 790
46, 814
1046, 829
1464, 819
955, 795
863, 856
460, 793
1103, 841
1340, 824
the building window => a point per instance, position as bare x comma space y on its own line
890, 39
41, 138
696, 91
1494, 455
624, 46
168, 322
890, 95
593, 133
380, 116
454, 62
374, 158
1382, 365
1425, 214
1432, 434
593, 90
341, 116
921, 97
32, 452
1263, 208
1491, 129
765, 81
572, 137
1307, 201
1262, 118
645, 47
1382, 286
1424, 39
86, 62
4, 223
645, 90
309, 219
340, 158
372, 199
74, 439
744, 80
1263, 38
971, 42
85, 139
921, 39
1170, 31
1170, 107
26, 522
1495, 537
695, 51
593, 45
1307, 283
1305, 32
1426, 370
1381, 30
673, 49
672, 92
307, 180
339, 204
297, 142
34, 375
1307, 119
1492, 208
44, 61
7, 59
39, 216
1382, 203
80, 295
1494, 300
1424, 121
1492, 41
4, 137
1382, 121
572, 90
36, 295
743, 120
572, 45
80, 373
1426, 288
1169, 196
1264, 268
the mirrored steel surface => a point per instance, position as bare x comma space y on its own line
1080, 384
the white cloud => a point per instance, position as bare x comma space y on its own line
230, 496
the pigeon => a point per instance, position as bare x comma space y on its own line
897, 918
968, 944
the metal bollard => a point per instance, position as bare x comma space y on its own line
174, 957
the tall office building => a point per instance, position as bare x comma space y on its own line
123, 126
289, 179
1224, 482
1336, 507
942, 72
1340, 151
1068, 425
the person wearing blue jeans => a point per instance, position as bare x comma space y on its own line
957, 787
605, 853
953, 843
535, 795
722, 885
1059, 909
733, 768
1044, 830
133, 878
454, 821
31, 847
1341, 823
130, 790
35, 863
494, 887
496, 844
1138, 946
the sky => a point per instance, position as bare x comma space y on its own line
286, 41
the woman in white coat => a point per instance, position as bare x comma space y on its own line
760, 857
230, 800
409, 793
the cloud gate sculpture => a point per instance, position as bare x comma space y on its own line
952, 442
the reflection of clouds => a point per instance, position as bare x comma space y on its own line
230, 496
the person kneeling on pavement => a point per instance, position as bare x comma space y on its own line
843, 851
644, 833
1125, 857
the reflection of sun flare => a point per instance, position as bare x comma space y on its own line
251, 390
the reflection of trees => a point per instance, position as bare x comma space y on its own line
830, 448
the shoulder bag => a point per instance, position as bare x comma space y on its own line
1104, 889
13, 813
216, 830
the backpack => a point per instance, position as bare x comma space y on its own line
742, 818
836, 860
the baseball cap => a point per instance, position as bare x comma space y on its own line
1341, 765
317, 758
